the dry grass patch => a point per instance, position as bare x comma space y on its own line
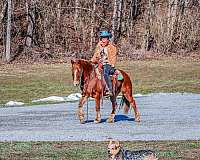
23, 82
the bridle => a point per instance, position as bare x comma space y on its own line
77, 82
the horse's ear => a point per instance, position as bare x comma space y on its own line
72, 61
110, 142
117, 143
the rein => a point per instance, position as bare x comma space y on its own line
86, 79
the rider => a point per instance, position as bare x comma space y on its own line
106, 53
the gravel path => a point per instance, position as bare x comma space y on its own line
163, 117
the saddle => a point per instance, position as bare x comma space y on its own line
117, 76
99, 72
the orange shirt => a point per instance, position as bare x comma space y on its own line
111, 54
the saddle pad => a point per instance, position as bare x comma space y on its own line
119, 75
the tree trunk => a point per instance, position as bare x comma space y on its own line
2, 14
31, 22
77, 26
46, 33
172, 14
76, 21
8, 33
148, 24
92, 26
119, 18
58, 13
114, 17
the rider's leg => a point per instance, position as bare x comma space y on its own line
106, 72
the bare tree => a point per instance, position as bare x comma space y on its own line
31, 22
8, 33
76, 15
70, 26
92, 25
2, 13
148, 25
114, 19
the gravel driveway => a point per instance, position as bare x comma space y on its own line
163, 117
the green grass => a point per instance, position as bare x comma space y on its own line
28, 82
23, 82
165, 150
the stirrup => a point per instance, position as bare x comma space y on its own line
109, 94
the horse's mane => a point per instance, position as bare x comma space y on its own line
86, 64
87, 70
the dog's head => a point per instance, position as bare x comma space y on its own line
113, 148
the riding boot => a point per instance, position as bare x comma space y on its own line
109, 85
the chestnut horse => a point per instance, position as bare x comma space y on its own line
84, 70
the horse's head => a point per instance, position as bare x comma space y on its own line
76, 71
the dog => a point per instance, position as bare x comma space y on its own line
116, 152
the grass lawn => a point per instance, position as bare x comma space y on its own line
23, 82
166, 150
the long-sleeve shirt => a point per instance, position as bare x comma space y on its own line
107, 54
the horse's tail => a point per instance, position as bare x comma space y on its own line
125, 104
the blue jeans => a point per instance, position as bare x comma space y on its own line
107, 71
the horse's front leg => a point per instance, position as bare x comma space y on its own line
98, 115
111, 118
80, 109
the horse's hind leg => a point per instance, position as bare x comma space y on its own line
133, 104
80, 109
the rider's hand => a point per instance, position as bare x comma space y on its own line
94, 62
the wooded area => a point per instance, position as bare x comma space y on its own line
33, 29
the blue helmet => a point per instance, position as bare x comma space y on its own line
105, 34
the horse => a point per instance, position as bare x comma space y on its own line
84, 71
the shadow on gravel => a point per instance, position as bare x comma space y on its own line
123, 118
117, 119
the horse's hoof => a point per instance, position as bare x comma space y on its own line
137, 120
137, 117
97, 121
110, 120
82, 121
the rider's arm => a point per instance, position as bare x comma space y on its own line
96, 55
113, 56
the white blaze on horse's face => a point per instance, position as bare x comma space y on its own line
76, 80
76, 70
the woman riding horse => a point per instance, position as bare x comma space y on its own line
93, 86
106, 54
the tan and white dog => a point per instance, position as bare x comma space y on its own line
116, 152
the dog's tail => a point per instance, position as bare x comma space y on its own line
125, 104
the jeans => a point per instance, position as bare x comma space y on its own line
107, 71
